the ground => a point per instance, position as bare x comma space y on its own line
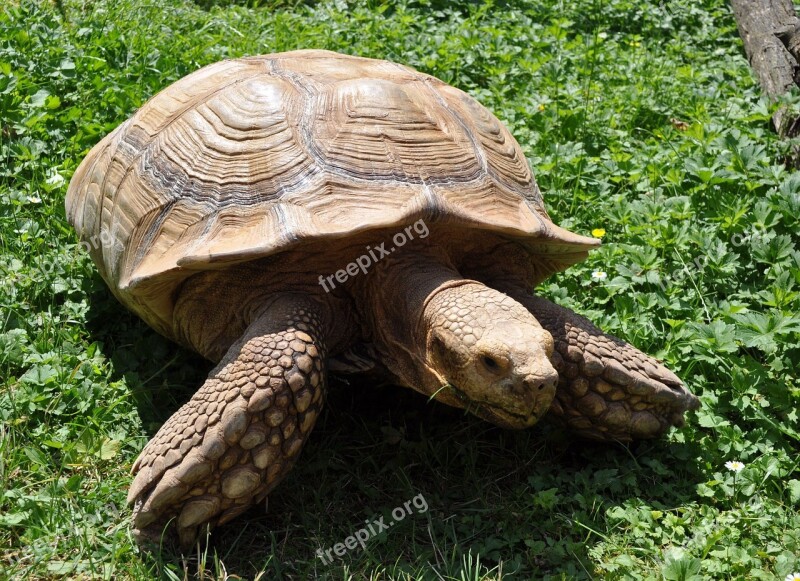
644, 126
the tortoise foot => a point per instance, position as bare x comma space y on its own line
608, 389
229, 446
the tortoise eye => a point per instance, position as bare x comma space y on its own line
490, 363
495, 363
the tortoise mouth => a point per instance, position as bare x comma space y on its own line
491, 412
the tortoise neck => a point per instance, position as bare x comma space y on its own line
393, 298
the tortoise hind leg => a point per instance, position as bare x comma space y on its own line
608, 389
238, 436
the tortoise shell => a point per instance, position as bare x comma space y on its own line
247, 158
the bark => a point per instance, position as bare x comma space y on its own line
770, 31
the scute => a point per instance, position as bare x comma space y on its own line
385, 130
246, 158
504, 158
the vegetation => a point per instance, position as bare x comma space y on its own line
640, 118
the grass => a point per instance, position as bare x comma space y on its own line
640, 118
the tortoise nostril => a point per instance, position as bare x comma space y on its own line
538, 383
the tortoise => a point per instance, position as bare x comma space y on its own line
294, 214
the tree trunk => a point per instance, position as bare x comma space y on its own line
770, 31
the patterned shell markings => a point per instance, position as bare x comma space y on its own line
245, 158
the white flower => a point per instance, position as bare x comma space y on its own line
599, 275
34, 199
793, 577
736, 466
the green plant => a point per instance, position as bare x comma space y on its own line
639, 118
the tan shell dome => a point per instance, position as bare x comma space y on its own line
249, 157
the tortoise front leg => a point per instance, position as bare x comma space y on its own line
239, 435
608, 389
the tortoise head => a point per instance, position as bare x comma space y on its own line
486, 353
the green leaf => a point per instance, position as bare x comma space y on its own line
109, 449
680, 566
14, 518
763, 330
39, 375
40, 98
793, 486
546, 499
52, 102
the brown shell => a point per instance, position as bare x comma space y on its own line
249, 157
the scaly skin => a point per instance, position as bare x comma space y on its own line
239, 435
493, 356
608, 389
457, 340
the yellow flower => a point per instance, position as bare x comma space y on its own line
541, 106
598, 232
